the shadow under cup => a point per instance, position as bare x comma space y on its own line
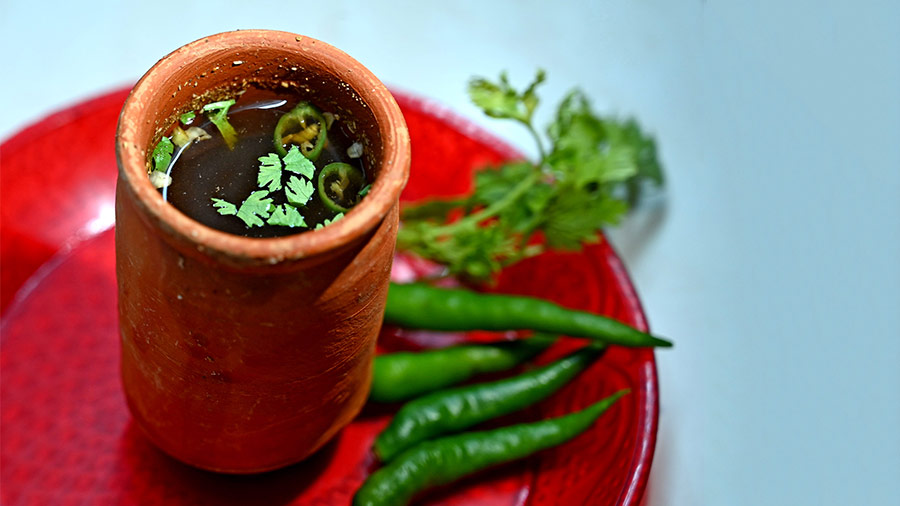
243, 355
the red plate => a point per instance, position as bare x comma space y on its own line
67, 436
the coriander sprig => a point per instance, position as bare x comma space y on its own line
259, 205
594, 168
500, 100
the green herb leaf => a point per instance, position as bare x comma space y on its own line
576, 219
474, 251
530, 213
492, 185
329, 222
588, 149
643, 151
162, 154
520, 209
299, 191
220, 107
224, 207
187, 118
269, 172
286, 216
529, 97
295, 162
501, 100
256, 207
218, 114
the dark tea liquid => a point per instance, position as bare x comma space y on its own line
207, 169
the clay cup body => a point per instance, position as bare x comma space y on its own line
243, 355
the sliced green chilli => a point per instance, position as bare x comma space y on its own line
304, 126
339, 186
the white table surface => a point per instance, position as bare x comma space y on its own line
772, 258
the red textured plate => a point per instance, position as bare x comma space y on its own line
67, 437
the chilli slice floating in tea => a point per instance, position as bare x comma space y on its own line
262, 165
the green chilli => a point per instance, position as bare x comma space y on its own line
445, 460
404, 375
304, 126
339, 185
457, 409
422, 306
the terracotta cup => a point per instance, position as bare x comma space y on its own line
243, 355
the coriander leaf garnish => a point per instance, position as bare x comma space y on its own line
218, 114
270, 172
286, 216
224, 207
256, 207
295, 162
299, 191
266, 206
329, 222
259, 205
520, 209
187, 118
162, 154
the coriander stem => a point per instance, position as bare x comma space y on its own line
540, 144
411, 211
492, 209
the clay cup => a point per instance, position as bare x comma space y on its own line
243, 355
